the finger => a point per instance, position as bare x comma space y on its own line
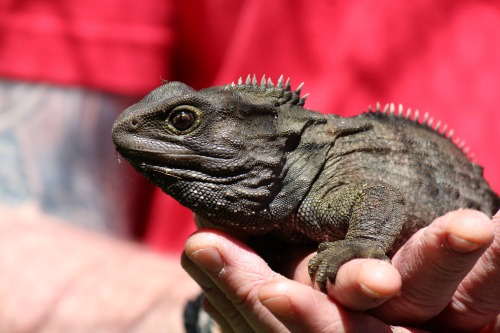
223, 310
433, 263
303, 309
363, 284
493, 327
218, 317
237, 272
476, 302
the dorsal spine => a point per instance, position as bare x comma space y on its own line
427, 121
284, 87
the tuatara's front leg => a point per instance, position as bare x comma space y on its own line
375, 218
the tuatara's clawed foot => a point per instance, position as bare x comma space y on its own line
332, 255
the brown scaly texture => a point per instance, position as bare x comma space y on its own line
249, 159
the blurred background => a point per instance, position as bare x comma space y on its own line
68, 68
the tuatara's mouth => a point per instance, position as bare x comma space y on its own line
155, 158
154, 163
173, 157
189, 174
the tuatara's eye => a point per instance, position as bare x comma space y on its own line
183, 119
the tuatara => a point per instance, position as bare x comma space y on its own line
250, 159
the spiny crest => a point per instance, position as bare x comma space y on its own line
281, 93
438, 127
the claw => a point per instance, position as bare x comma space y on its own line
323, 267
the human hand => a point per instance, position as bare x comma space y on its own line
243, 294
58, 278
451, 275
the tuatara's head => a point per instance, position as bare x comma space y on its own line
223, 151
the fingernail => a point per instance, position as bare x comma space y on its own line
280, 306
475, 231
371, 293
377, 274
497, 214
208, 259
462, 245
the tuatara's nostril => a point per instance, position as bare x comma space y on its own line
135, 123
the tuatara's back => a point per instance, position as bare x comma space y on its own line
413, 165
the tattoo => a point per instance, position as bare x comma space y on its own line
56, 150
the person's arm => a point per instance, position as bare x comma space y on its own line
57, 159
244, 295
55, 277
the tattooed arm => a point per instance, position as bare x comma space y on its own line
56, 167
56, 154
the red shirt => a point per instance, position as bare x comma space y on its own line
121, 46
441, 57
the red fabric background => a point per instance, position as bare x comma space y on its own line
121, 46
439, 56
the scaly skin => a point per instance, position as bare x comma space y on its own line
249, 159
